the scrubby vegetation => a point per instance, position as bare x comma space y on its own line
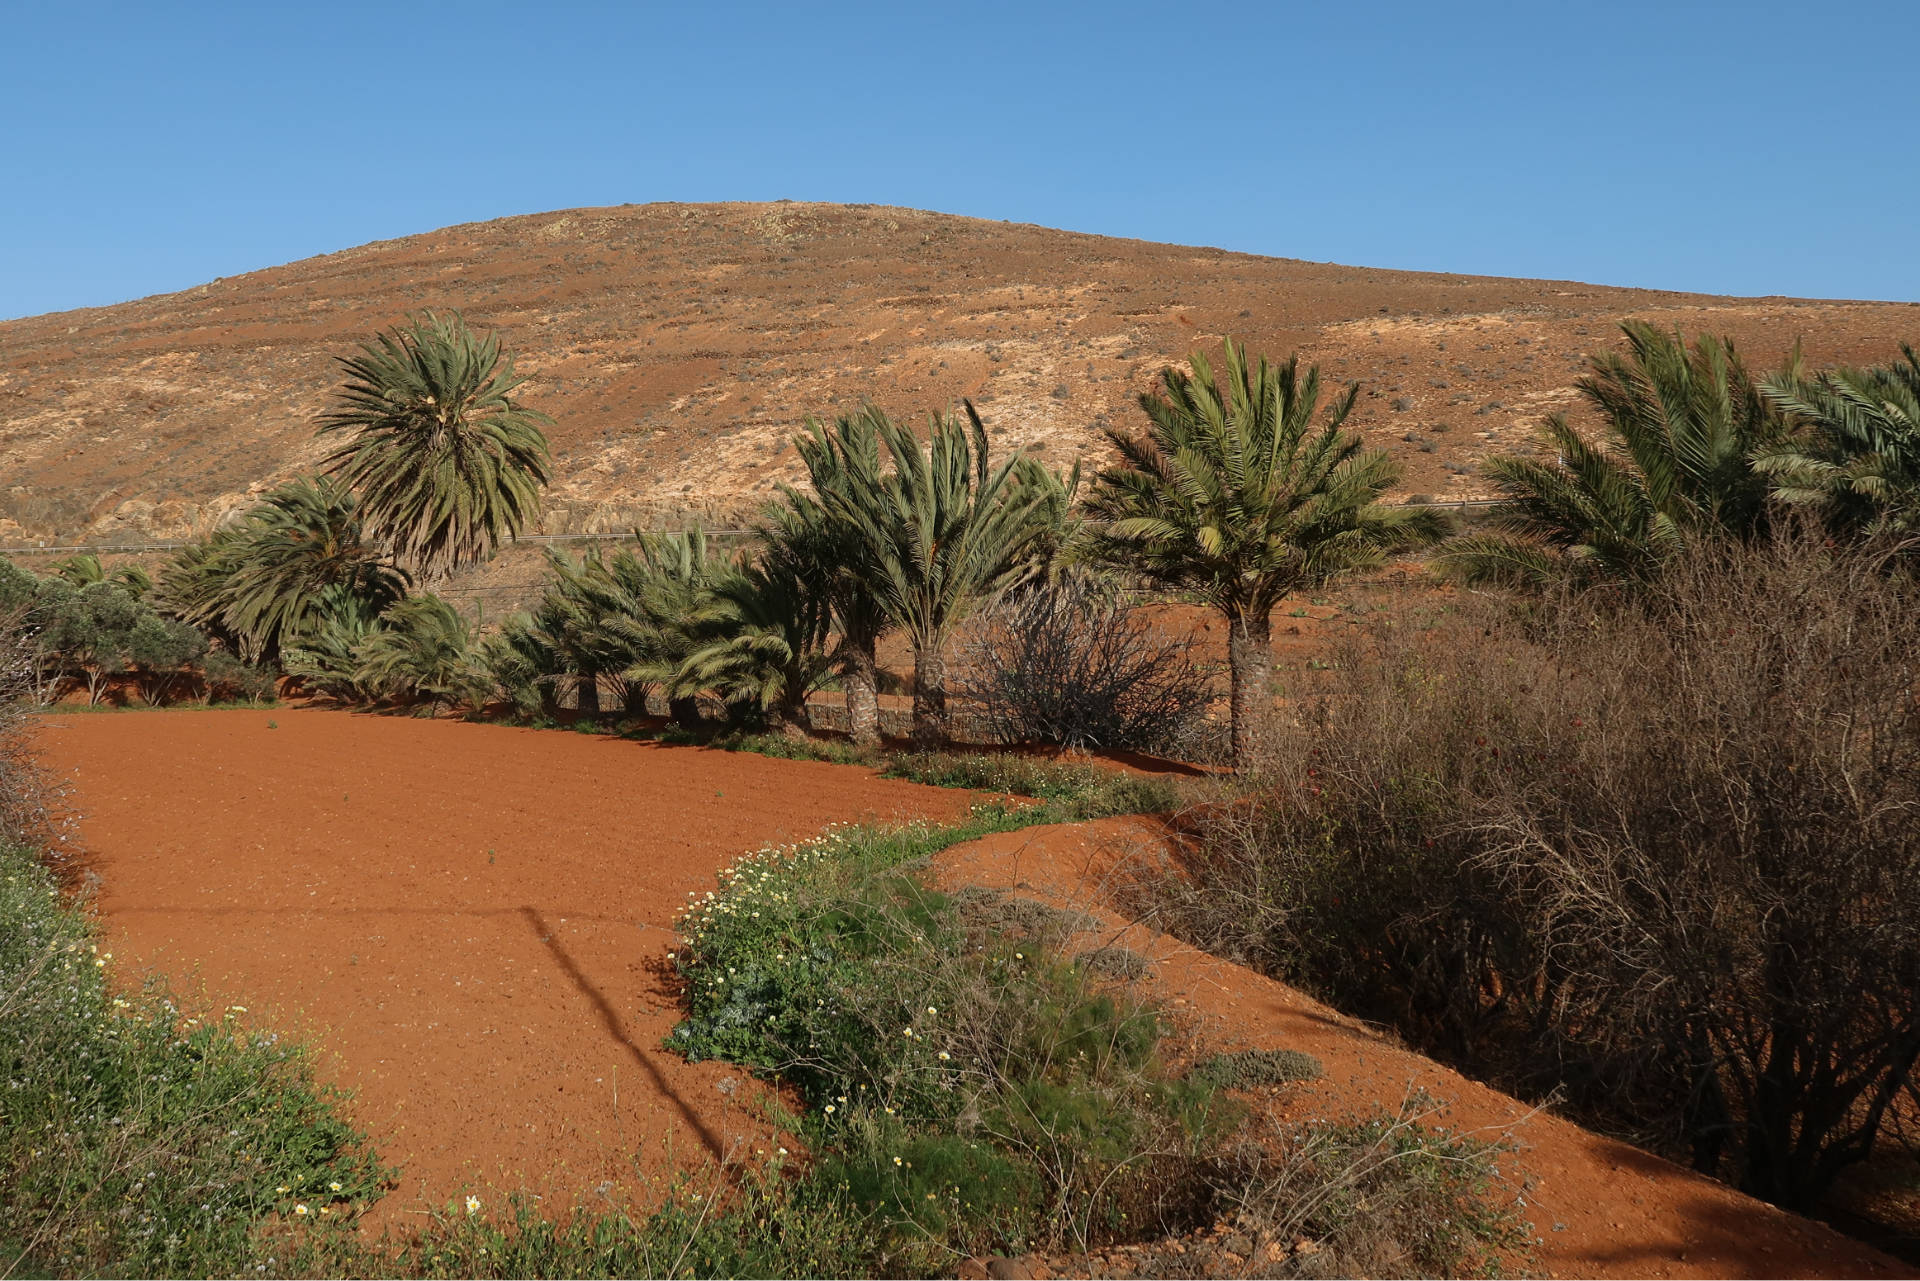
1658, 852
973, 1091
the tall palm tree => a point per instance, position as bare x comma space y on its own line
1681, 426
944, 530
807, 528
1857, 461
447, 463
1233, 493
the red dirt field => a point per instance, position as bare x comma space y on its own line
470, 922
1601, 1208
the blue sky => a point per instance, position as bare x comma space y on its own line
1751, 148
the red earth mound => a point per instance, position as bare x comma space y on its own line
470, 921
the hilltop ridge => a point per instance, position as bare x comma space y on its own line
678, 346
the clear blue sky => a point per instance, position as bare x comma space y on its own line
1731, 147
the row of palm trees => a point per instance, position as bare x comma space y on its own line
1695, 445
1241, 488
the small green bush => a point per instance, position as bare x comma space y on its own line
1247, 1069
1116, 962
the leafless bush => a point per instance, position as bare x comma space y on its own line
1068, 664
23, 817
1661, 855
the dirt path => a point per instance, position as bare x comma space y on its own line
1601, 1208
470, 921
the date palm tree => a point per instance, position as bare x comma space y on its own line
1681, 425
944, 529
807, 528
1232, 492
447, 462
1857, 459
261, 583
763, 644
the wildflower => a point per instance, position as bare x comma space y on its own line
931, 1010
334, 1186
301, 1210
944, 1056
473, 1205
783, 1151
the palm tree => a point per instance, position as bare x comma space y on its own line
655, 604
447, 463
943, 530
260, 583
85, 569
1858, 463
1682, 424
305, 540
326, 653
806, 528
1232, 492
764, 641
425, 648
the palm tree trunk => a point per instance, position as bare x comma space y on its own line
1250, 662
587, 693
860, 672
685, 710
929, 696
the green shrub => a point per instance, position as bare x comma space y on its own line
1247, 1069
1079, 791
135, 1140
972, 1085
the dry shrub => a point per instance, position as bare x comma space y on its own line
23, 814
1068, 664
1659, 854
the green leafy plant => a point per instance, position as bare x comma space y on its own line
1233, 493
1681, 425
446, 462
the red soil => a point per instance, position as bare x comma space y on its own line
474, 934
1600, 1208
470, 921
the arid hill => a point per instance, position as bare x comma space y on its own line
678, 346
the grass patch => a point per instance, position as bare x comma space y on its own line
1077, 791
1248, 1069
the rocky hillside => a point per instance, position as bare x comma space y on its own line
678, 346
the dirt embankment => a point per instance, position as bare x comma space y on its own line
1600, 1208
